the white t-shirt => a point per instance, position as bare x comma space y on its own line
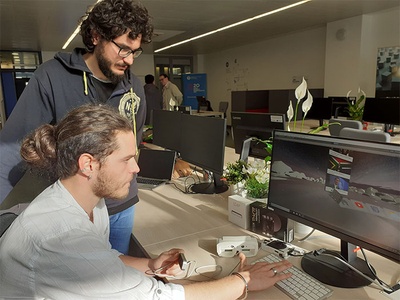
53, 251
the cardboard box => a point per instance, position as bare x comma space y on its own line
268, 223
239, 211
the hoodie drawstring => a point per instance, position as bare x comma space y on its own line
85, 85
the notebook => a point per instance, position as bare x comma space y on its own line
156, 167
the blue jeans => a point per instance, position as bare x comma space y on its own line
121, 225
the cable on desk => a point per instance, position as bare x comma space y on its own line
385, 287
157, 271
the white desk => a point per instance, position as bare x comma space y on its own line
166, 218
308, 124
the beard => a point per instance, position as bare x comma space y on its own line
105, 65
107, 187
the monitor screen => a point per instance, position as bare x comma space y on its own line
339, 106
198, 140
203, 144
346, 188
259, 125
382, 110
167, 129
321, 109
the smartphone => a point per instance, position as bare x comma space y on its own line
182, 262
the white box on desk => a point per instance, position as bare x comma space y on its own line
239, 211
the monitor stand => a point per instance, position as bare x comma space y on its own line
331, 271
216, 187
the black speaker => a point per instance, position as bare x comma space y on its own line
268, 223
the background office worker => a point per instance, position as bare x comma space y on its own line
172, 96
58, 248
112, 33
154, 98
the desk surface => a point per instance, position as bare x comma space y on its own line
166, 218
315, 123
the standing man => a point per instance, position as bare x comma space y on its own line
112, 32
172, 96
154, 98
58, 249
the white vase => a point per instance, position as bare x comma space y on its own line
238, 189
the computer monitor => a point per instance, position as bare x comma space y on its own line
339, 106
198, 140
346, 188
321, 110
166, 129
382, 110
202, 104
203, 144
184, 109
259, 125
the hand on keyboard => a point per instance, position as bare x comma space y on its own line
263, 275
300, 285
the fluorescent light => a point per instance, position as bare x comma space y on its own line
233, 25
73, 35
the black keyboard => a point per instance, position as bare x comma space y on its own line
151, 181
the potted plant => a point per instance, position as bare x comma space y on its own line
248, 179
355, 107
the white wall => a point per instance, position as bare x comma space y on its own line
270, 64
329, 62
351, 63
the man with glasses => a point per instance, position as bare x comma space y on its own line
172, 96
112, 33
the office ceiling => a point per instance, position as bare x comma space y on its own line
45, 25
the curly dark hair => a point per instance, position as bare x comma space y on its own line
113, 18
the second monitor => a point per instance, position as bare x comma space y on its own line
255, 125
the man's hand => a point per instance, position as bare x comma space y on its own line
181, 169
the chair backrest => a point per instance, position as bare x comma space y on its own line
223, 107
5, 221
334, 129
376, 136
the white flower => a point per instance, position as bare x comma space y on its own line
361, 93
290, 111
307, 103
301, 90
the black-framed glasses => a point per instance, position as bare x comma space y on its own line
125, 52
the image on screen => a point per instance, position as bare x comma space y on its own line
349, 189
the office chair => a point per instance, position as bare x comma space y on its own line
334, 129
5, 221
376, 136
223, 107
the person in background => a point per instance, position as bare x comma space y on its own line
172, 96
154, 98
58, 247
112, 33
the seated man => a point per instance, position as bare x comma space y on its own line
58, 247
